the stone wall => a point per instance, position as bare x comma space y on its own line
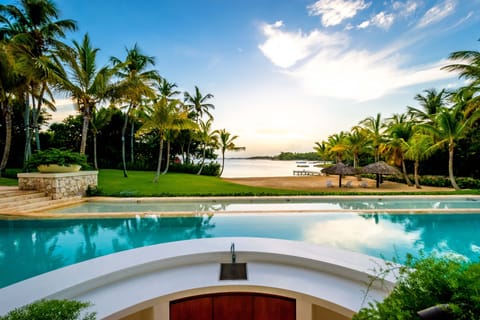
59, 185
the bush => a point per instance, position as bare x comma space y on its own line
56, 156
427, 282
210, 169
51, 310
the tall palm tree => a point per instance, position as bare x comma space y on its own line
135, 84
450, 125
355, 142
399, 129
373, 127
337, 146
418, 148
164, 117
207, 137
34, 31
321, 148
100, 118
166, 89
226, 142
468, 66
198, 106
431, 101
86, 84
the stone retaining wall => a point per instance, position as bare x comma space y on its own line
58, 185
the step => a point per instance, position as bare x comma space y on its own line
20, 196
46, 204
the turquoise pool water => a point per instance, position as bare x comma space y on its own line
287, 204
32, 247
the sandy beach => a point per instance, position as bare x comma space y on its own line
319, 183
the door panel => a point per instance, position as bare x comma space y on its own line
233, 307
199, 309
269, 308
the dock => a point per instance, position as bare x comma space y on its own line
306, 173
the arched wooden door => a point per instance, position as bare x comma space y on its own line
233, 306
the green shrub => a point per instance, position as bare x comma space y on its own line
427, 282
210, 169
51, 310
56, 156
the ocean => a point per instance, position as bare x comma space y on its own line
238, 168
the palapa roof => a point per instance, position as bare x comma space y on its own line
380, 167
340, 168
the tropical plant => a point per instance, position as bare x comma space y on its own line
165, 117
86, 84
52, 310
336, 145
431, 102
135, 84
226, 142
399, 129
100, 118
207, 138
355, 142
166, 89
448, 283
418, 148
321, 148
33, 33
56, 156
197, 103
448, 126
373, 128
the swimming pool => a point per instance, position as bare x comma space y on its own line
32, 247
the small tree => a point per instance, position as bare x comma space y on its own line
52, 310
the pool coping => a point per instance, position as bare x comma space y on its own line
37, 214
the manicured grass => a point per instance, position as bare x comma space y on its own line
8, 182
140, 183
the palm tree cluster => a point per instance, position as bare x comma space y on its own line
442, 121
36, 65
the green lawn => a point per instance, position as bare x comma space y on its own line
8, 182
139, 183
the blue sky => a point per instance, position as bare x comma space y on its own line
287, 73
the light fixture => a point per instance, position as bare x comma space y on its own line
233, 270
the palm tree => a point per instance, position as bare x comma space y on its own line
100, 118
198, 106
164, 117
321, 148
226, 142
468, 66
166, 89
33, 31
336, 145
448, 126
86, 84
207, 137
197, 103
430, 102
136, 83
355, 142
418, 148
399, 130
373, 128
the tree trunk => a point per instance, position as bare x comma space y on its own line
168, 158
203, 161
223, 163
36, 111
124, 130
86, 121
451, 147
95, 164
132, 131
405, 175
8, 138
415, 168
26, 120
159, 161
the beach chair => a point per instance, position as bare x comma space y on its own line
329, 184
348, 184
363, 184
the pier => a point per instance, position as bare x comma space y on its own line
306, 173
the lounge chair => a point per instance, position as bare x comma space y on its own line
329, 184
363, 184
348, 184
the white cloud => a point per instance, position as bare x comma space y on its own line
382, 20
329, 69
437, 13
405, 8
333, 12
287, 48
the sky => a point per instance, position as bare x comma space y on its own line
287, 73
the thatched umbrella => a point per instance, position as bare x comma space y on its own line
340, 169
380, 168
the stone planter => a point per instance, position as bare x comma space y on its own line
54, 168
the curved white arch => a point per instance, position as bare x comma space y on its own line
118, 283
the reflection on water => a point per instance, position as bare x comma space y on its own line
31, 247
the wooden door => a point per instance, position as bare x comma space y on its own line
233, 306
